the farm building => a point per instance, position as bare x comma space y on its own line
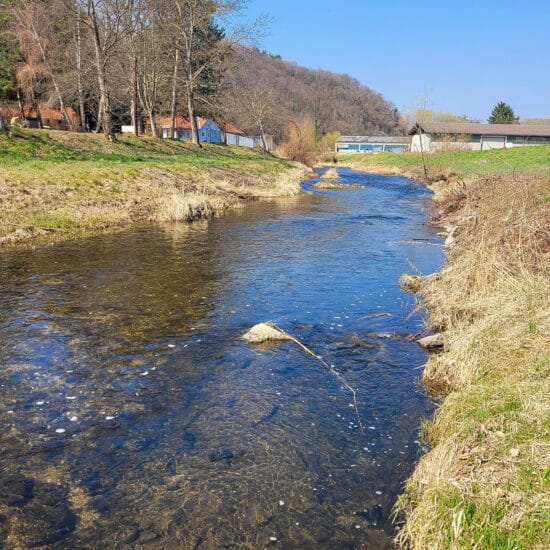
232, 135
434, 136
372, 144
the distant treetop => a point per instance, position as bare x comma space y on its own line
502, 113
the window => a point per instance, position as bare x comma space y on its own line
538, 139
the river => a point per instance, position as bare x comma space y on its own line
135, 417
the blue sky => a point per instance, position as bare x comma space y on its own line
462, 56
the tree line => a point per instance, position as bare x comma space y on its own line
116, 62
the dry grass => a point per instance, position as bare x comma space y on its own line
328, 185
55, 185
486, 482
330, 174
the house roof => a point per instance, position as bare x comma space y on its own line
469, 128
183, 122
230, 128
46, 112
374, 139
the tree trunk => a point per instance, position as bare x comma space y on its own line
78, 54
20, 104
135, 107
192, 117
262, 135
104, 103
36, 108
174, 107
154, 129
98, 125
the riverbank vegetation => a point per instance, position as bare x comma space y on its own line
56, 184
532, 161
486, 481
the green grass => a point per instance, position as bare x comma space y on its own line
52, 147
68, 183
533, 160
484, 525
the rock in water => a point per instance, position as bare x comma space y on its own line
329, 184
262, 332
432, 341
410, 283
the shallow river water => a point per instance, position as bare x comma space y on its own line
134, 415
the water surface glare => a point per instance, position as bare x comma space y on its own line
134, 416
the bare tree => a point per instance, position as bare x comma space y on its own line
108, 21
78, 66
174, 101
251, 96
34, 23
152, 65
200, 44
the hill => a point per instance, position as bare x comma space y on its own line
266, 89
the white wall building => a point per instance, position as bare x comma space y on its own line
434, 136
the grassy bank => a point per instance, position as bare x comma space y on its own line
55, 185
459, 165
486, 481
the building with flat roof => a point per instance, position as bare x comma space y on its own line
372, 144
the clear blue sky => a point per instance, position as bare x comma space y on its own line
463, 55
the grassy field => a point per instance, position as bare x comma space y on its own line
485, 483
59, 184
515, 161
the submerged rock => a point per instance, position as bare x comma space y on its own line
328, 184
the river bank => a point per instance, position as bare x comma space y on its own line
57, 185
486, 481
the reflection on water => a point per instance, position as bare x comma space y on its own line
135, 416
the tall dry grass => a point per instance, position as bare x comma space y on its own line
486, 482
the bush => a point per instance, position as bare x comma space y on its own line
301, 141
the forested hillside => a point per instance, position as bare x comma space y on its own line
273, 90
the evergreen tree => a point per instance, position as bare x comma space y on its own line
7, 57
503, 114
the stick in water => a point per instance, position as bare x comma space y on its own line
270, 331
